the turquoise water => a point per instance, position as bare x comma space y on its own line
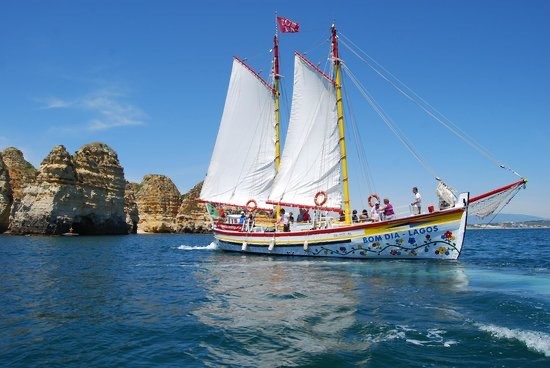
174, 300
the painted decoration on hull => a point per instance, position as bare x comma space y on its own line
427, 242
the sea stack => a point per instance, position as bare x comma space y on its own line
82, 194
158, 201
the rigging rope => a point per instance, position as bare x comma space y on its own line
421, 103
387, 120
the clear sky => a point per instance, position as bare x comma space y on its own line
149, 79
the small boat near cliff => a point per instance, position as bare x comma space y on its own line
71, 232
248, 172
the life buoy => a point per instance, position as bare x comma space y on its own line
371, 197
320, 198
251, 205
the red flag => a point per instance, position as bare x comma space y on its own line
286, 25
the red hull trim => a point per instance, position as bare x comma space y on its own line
415, 221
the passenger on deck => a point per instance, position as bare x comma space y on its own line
354, 217
306, 217
250, 222
387, 210
417, 202
300, 217
364, 216
375, 212
284, 220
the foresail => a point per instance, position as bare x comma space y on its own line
242, 166
488, 203
310, 161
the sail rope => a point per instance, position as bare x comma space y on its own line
364, 166
418, 101
387, 120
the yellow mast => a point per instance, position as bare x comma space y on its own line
340, 111
276, 78
277, 111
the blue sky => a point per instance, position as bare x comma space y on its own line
149, 78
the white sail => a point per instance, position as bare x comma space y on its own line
242, 166
310, 162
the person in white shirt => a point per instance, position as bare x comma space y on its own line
375, 214
417, 203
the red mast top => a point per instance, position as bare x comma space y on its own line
335, 46
276, 57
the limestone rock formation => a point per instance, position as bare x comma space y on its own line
6, 196
131, 208
192, 217
83, 194
20, 171
101, 180
49, 203
158, 201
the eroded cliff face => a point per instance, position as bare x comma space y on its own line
158, 201
131, 208
192, 216
87, 194
101, 180
82, 194
6, 196
21, 172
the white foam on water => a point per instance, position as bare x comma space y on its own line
449, 343
534, 340
211, 246
416, 342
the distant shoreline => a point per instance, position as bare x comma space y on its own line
504, 227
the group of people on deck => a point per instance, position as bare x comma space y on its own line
286, 219
385, 211
379, 212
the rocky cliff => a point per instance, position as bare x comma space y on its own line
6, 196
192, 217
83, 194
158, 201
21, 173
86, 193
131, 208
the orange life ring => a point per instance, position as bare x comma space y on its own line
251, 205
371, 197
323, 195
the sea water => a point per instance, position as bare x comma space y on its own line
177, 301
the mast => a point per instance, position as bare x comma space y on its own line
277, 111
340, 110
276, 78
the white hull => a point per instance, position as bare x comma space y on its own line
438, 235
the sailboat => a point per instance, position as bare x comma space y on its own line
311, 175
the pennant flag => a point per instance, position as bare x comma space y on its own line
286, 25
212, 211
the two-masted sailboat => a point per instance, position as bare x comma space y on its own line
248, 173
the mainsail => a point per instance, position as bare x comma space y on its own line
242, 167
310, 162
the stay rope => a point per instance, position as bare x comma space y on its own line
418, 101
387, 120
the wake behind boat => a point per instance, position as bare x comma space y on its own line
311, 175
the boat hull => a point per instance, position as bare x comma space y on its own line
438, 235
